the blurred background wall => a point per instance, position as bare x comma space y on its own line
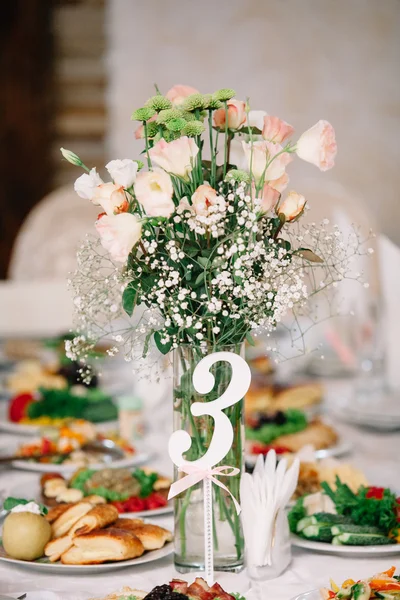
73, 70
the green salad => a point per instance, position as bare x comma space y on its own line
293, 421
369, 517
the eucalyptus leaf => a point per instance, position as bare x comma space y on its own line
309, 255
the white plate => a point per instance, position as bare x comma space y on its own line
341, 448
314, 594
380, 422
131, 461
348, 551
30, 490
58, 568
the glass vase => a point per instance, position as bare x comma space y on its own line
188, 508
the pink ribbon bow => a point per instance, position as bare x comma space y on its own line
196, 473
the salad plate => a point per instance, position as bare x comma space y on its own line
57, 568
314, 594
346, 551
341, 448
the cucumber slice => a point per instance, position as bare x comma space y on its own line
318, 533
349, 528
324, 517
363, 539
303, 523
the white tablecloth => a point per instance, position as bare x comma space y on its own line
375, 453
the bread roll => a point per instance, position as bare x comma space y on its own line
57, 547
103, 545
128, 524
95, 499
63, 524
98, 517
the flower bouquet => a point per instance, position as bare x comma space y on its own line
203, 249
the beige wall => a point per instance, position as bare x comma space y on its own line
299, 59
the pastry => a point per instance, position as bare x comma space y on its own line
103, 545
63, 524
298, 396
98, 517
56, 512
55, 548
152, 537
128, 524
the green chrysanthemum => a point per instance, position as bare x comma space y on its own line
224, 94
193, 128
214, 103
194, 102
152, 129
168, 115
188, 116
238, 176
143, 114
165, 135
176, 124
159, 102
140, 165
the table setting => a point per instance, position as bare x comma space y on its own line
199, 472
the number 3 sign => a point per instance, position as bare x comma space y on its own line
203, 469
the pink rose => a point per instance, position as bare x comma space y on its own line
318, 146
176, 157
268, 195
236, 115
276, 130
260, 154
280, 184
292, 206
204, 197
118, 234
154, 192
111, 197
178, 93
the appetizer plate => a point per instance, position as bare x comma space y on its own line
59, 568
347, 551
30, 489
341, 448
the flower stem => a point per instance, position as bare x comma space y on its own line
147, 145
226, 141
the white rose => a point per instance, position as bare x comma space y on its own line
256, 119
118, 234
123, 171
87, 183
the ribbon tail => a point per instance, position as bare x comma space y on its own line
222, 486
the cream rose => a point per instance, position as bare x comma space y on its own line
87, 183
175, 157
202, 198
178, 93
318, 146
118, 234
256, 118
123, 171
276, 130
259, 154
236, 115
154, 192
292, 206
111, 197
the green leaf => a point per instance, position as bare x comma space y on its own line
250, 339
203, 260
129, 298
163, 348
199, 280
11, 503
308, 255
146, 343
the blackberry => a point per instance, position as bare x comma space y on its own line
164, 592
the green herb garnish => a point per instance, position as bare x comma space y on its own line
296, 513
295, 421
10, 503
146, 482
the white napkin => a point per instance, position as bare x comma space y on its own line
264, 495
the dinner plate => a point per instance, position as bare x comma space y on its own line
44, 565
341, 448
347, 551
381, 422
30, 490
